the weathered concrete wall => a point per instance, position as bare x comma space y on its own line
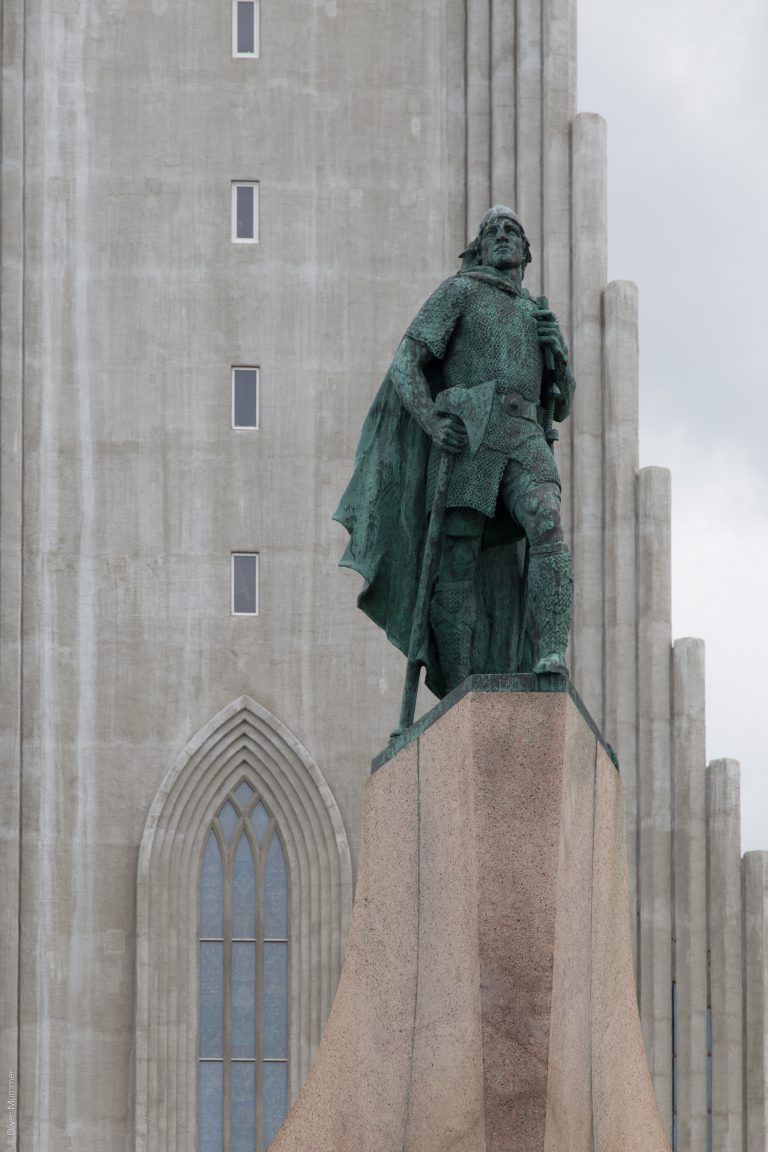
136, 489
11, 528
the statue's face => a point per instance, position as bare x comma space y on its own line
502, 245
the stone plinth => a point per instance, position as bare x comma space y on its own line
487, 1001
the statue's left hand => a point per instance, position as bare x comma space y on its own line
550, 335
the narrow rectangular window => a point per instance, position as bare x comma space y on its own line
245, 27
245, 397
245, 213
245, 584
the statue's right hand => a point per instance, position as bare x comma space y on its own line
449, 433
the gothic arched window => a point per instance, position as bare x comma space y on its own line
244, 891
243, 978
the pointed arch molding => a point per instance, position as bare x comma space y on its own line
244, 741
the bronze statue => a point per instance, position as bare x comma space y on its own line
455, 478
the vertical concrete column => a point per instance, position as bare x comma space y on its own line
620, 383
11, 528
503, 111
528, 165
725, 952
558, 109
654, 779
590, 262
478, 81
690, 910
755, 887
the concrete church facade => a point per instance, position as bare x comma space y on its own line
205, 198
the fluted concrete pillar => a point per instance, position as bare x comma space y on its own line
589, 278
725, 952
558, 110
620, 387
654, 779
478, 112
503, 104
528, 46
690, 910
755, 888
11, 520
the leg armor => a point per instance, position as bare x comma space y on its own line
453, 609
550, 588
452, 616
550, 576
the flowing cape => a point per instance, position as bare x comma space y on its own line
384, 510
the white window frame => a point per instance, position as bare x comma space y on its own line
255, 555
247, 368
256, 30
245, 184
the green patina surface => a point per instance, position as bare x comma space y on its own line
461, 433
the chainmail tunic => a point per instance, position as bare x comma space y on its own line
481, 332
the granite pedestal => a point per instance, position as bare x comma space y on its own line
487, 1002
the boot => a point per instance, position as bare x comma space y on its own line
550, 588
452, 616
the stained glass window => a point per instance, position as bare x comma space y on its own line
243, 978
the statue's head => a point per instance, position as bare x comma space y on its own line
501, 242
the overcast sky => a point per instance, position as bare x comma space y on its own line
684, 88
